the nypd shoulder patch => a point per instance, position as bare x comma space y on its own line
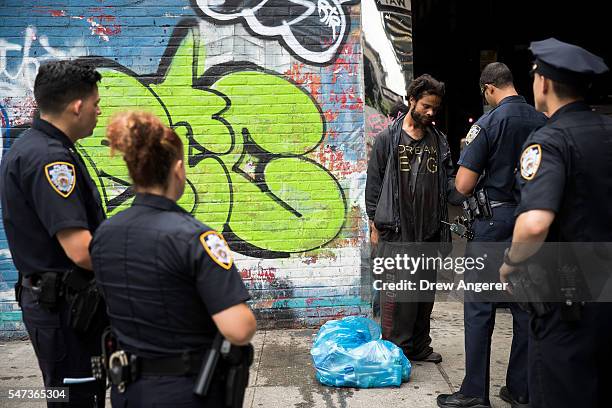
217, 248
474, 131
530, 161
62, 177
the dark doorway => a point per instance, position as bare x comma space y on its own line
453, 39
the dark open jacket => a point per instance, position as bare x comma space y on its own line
382, 185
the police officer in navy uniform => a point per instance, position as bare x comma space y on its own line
169, 281
488, 162
566, 190
50, 209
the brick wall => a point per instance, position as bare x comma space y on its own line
272, 115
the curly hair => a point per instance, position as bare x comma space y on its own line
425, 85
149, 147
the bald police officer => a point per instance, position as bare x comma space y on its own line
561, 166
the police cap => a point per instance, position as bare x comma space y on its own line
565, 63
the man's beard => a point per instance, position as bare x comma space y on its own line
420, 120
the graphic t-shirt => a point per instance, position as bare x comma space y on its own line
419, 192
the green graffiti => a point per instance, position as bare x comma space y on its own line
247, 137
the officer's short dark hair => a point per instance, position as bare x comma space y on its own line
425, 85
60, 82
497, 74
569, 91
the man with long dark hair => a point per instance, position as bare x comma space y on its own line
410, 174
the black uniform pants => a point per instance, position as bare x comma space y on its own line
62, 353
168, 392
479, 315
570, 363
479, 322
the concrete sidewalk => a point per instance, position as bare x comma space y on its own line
282, 374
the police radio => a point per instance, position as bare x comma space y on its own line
475, 207
458, 227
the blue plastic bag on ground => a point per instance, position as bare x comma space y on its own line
351, 353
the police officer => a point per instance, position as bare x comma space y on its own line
50, 209
487, 163
169, 281
562, 165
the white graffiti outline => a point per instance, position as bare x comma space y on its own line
21, 81
25, 75
325, 9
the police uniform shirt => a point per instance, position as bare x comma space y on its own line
564, 168
163, 275
45, 189
493, 145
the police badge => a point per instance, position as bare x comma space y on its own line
61, 176
474, 131
216, 246
530, 161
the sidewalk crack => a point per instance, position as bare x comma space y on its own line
446, 377
254, 386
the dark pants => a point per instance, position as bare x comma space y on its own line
166, 391
479, 316
63, 353
406, 316
570, 364
407, 325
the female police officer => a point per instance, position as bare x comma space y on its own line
169, 281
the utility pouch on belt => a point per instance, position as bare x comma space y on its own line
238, 359
84, 298
46, 290
119, 367
531, 288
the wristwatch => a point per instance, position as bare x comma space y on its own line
508, 261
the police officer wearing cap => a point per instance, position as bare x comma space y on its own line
487, 163
169, 281
50, 209
562, 166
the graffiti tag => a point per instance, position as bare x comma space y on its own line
311, 30
251, 172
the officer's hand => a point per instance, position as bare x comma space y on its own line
373, 234
504, 272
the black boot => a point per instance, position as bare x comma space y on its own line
458, 400
518, 402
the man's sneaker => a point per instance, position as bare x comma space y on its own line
520, 402
458, 400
